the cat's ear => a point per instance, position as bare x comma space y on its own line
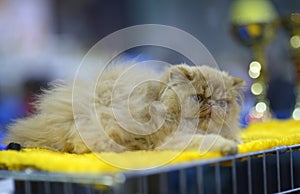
180, 73
237, 83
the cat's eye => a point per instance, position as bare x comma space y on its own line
222, 103
197, 98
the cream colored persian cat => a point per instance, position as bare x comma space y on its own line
186, 107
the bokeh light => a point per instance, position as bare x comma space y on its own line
295, 41
257, 88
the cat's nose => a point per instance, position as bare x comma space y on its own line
210, 103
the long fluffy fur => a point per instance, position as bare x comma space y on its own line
136, 109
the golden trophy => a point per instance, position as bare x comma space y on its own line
254, 24
292, 25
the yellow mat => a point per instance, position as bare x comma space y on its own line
258, 136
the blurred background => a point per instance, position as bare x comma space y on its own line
44, 40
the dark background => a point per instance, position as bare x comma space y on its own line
44, 40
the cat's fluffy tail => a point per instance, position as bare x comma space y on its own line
52, 127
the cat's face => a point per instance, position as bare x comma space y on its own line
203, 93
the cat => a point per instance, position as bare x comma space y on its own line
186, 107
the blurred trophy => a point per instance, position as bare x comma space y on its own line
292, 25
254, 24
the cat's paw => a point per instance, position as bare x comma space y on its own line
217, 143
229, 148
